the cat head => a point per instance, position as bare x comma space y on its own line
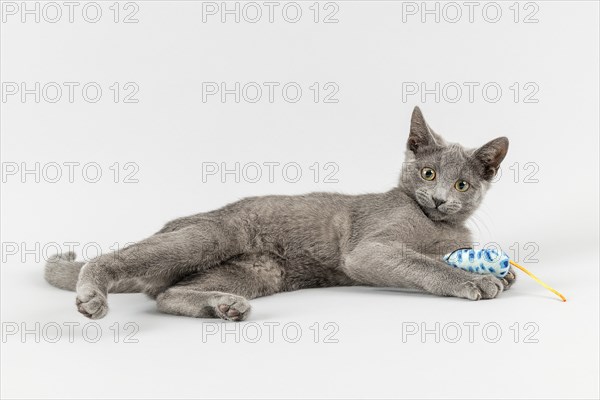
445, 179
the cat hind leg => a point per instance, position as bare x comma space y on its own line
223, 291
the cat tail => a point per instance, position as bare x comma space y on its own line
62, 271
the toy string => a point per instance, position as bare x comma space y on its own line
538, 280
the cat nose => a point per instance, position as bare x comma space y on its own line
438, 202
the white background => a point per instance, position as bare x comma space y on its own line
170, 134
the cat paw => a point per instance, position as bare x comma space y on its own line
232, 308
91, 302
482, 287
509, 279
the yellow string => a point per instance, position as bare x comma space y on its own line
538, 280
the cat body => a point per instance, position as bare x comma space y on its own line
210, 264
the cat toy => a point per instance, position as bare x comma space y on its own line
489, 261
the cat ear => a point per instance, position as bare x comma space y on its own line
490, 155
421, 136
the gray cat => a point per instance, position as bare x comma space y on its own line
210, 264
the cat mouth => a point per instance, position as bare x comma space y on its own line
435, 213
432, 212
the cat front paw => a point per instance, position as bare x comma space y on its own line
91, 302
509, 279
481, 287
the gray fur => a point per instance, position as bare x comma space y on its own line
62, 271
210, 264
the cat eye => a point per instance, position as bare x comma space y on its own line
428, 174
461, 186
